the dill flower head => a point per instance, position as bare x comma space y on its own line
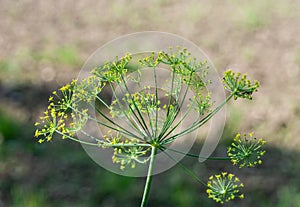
60, 116
239, 85
126, 152
224, 187
246, 151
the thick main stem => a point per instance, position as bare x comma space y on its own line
149, 178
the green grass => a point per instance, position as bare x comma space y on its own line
289, 196
252, 15
20, 197
65, 55
252, 19
27, 63
70, 178
9, 127
9, 66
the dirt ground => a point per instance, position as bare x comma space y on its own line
260, 38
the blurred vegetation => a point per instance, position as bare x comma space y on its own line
44, 44
61, 174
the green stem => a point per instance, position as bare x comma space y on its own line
131, 120
125, 145
149, 178
174, 115
156, 97
76, 140
140, 119
186, 170
198, 124
198, 156
121, 129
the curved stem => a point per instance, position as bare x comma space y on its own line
186, 170
149, 178
76, 140
198, 156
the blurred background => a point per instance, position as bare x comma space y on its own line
43, 45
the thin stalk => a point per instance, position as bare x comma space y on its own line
149, 178
130, 118
167, 133
156, 97
76, 140
198, 156
171, 94
186, 170
164, 133
150, 122
119, 129
91, 137
126, 145
200, 123
142, 121
105, 104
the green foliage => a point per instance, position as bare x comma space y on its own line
9, 128
66, 55
152, 114
23, 197
9, 66
289, 196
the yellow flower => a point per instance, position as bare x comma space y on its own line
246, 151
224, 187
50, 98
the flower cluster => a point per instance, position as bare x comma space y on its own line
87, 89
143, 101
141, 121
114, 71
239, 85
126, 152
224, 187
246, 151
60, 116
203, 104
188, 69
130, 155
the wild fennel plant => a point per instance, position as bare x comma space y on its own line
139, 124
